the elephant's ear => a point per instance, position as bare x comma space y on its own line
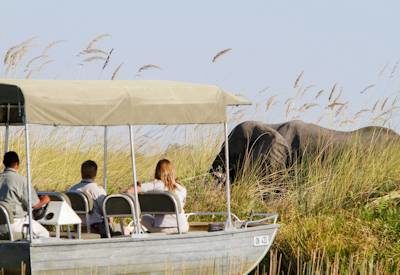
272, 149
279, 153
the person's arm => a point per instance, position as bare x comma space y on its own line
131, 190
43, 200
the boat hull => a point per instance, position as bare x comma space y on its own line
235, 252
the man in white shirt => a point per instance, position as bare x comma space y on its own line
88, 186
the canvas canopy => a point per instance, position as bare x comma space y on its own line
113, 102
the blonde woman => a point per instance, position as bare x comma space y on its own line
164, 180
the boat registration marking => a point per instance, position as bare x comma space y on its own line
261, 240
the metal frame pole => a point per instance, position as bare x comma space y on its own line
132, 145
228, 224
6, 137
105, 158
28, 178
7, 131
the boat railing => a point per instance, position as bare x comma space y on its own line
235, 218
264, 218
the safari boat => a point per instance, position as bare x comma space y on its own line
236, 247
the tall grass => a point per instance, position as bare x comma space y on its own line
339, 213
335, 213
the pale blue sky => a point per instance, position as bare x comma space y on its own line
344, 42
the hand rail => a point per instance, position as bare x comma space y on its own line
266, 217
212, 213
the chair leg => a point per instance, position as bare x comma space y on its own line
79, 229
87, 223
121, 224
107, 227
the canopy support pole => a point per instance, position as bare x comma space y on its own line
228, 224
132, 145
7, 131
6, 137
28, 178
105, 158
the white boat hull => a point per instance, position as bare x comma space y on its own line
220, 252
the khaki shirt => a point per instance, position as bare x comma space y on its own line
14, 192
97, 193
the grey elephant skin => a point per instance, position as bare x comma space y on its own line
280, 145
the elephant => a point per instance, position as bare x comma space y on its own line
281, 145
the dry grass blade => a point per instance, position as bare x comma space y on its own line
367, 88
384, 103
388, 112
290, 99
263, 90
338, 96
356, 115
148, 67
288, 109
335, 104
35, 59
394, 70
319, 94
219, 54
374, 107
15, 54
97, 39
394, 101
297, 80
332, 91
306, 89
94, 58
116, 71
93, 51
270, 102
107, 59
52, 45
381, 72
346, 121
15, 48
39, 68
341, 109
307, 106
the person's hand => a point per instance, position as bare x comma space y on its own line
43, 200
131, 189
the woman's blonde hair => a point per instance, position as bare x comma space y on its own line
165, 172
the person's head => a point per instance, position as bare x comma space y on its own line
165, 172
11, 160
89, 169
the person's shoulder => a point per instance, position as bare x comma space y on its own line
96, 187
180, 187
17, 177
75, 187
155, 185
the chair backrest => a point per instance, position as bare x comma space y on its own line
159, 203
80, 202
6, 219
118, 205
55, 196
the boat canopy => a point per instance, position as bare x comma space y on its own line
112, 102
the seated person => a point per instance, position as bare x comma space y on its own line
14, 193
165, 180
88, 186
